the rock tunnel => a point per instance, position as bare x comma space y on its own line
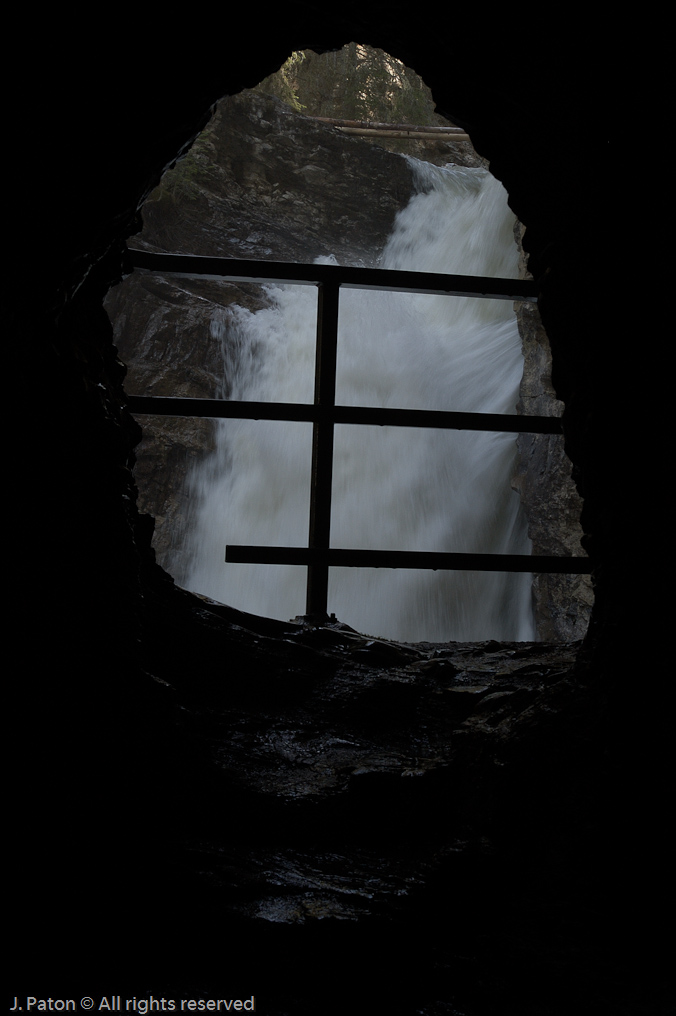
206, 806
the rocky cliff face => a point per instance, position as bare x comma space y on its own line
361, 82
266, 181
561, 603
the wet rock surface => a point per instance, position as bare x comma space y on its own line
561, 603
266, 182
544, 481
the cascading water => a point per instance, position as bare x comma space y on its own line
393, 487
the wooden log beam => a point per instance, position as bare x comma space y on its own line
412, 135
373, 125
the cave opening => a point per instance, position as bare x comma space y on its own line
560, 603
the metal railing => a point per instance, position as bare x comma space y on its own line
318, 557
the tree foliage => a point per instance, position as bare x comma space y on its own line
355, 83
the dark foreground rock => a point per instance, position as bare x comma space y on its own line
362, 824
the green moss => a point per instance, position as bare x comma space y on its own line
283, 82
190, 174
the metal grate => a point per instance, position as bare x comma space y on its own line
323, 413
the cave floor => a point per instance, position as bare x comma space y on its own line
394, 824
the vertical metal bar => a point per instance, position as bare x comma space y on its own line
322, 449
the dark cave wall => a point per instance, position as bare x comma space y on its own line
85, 710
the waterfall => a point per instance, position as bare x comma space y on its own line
393, 487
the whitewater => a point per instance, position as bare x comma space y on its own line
394, 488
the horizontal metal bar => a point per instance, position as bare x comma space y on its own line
364, 415
347, 277
340, 558
221, 409
446, 420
